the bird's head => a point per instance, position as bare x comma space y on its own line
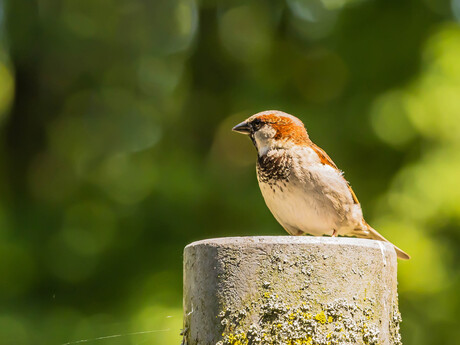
273, 129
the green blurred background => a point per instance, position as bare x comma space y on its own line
116, 149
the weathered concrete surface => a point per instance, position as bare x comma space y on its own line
290, 290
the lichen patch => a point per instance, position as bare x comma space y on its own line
338, 323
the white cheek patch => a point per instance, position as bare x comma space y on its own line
264, 139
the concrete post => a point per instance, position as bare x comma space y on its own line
290, 290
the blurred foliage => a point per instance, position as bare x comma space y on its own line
116, 148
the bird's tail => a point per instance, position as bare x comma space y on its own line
371, 233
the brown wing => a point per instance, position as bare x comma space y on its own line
325, 159
355, 199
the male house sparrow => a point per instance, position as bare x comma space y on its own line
301, 185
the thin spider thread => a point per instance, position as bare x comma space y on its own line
116, 336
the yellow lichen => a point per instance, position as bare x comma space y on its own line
237, 339
301, 341
321, 317
306, 315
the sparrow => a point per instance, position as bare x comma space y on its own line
301, 185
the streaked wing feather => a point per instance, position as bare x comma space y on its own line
325, 159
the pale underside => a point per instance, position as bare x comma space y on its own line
314, 199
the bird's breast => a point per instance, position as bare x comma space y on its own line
304, 194
297, 208
272, 168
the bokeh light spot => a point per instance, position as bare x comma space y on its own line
67, 263
246, 32
165, 320
174, 24
13, 331
89, 227
6, 90
311, 18
127, 178
390, 120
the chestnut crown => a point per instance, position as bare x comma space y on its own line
273, 129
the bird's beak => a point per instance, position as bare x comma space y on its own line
242, 128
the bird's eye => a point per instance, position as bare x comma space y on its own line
257, 124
